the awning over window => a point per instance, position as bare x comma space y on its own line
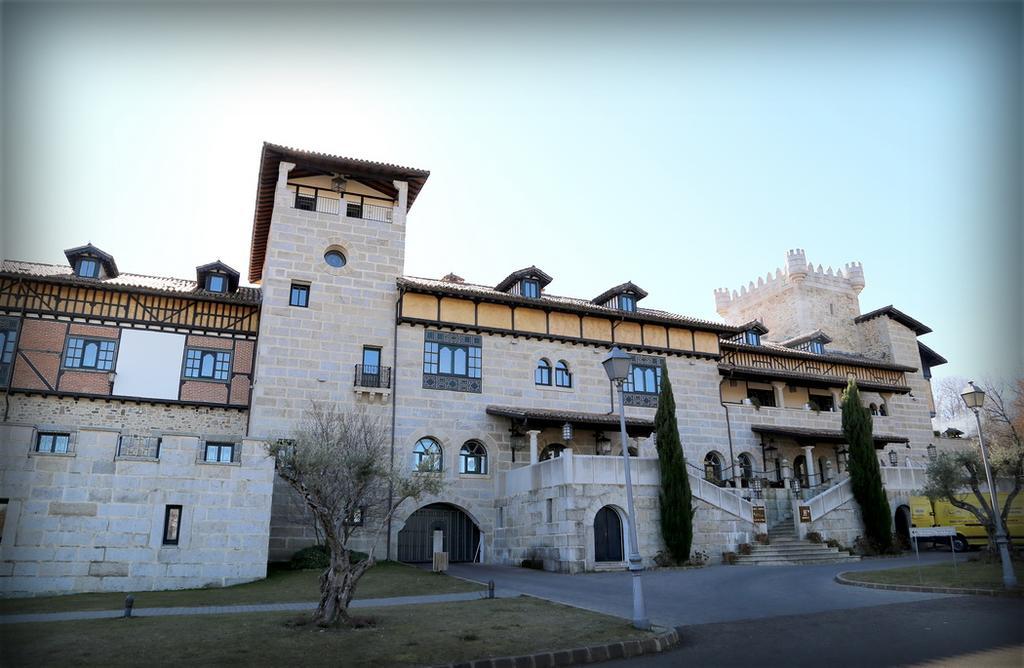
802, 434
543, 417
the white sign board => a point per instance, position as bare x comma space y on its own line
932, 532
149, 364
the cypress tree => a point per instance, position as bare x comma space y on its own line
865, 475
675, 496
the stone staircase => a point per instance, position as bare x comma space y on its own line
785, 549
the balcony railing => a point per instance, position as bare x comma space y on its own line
809, 366
373, 376
324, 200
147, 447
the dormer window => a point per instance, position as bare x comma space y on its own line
816, 346
751, 337
90, 262
216, 283
88, 268
622, 297
524, 282
216, 277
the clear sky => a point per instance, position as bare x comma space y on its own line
681, 146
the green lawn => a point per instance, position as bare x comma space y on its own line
281, 586
402, 636
975, 574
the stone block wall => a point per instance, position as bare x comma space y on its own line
92, 521
564, 539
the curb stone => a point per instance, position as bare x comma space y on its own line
579, 655
972, 591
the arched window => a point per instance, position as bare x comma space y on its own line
746, 467
542, 375
821, 468
552, 451
713, 466
882, 410
873, 408
426, 456
562, 376
473, 458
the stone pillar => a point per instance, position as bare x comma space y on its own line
828, 469
809, 457
787, 473
403, 201
886, 398
837, 398
780, 393
533, 445
283, 195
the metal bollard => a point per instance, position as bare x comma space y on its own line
129, 602
490, 589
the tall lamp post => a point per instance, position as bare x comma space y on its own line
974, 397
617, 366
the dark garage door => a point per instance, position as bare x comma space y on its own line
416, 539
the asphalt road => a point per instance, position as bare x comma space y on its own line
706, 595
785, 616
898, 634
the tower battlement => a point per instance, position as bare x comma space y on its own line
797, 298
797, 270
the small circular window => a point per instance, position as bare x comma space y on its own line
334, 258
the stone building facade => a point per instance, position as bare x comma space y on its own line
124, 462
757, 395
500, 387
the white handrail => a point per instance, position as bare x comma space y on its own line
721, 497
829, 500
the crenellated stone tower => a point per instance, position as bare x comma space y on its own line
799, 299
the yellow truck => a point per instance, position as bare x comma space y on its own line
969, 531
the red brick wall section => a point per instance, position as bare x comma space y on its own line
209, 342
86, 382
214, 393
27, 379
96, 331
42, 335
46, 364
242, 362
240, 390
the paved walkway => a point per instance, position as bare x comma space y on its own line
236, 609
706, 595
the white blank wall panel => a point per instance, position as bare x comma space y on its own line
149, 364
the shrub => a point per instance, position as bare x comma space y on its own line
729, 558
832, 542
745, 549
698, 558
814, 537
761, 538
319, 557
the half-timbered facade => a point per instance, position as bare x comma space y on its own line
125, 458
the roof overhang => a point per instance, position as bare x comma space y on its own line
899, 316
544, 417
377, 175
801, 434
929, 356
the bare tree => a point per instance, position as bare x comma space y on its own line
950, 473
948, 404
338, 462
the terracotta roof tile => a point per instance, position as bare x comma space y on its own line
176, 286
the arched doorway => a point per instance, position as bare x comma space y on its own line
461, 536
902, 524
607, 535
800, 470
552, 451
